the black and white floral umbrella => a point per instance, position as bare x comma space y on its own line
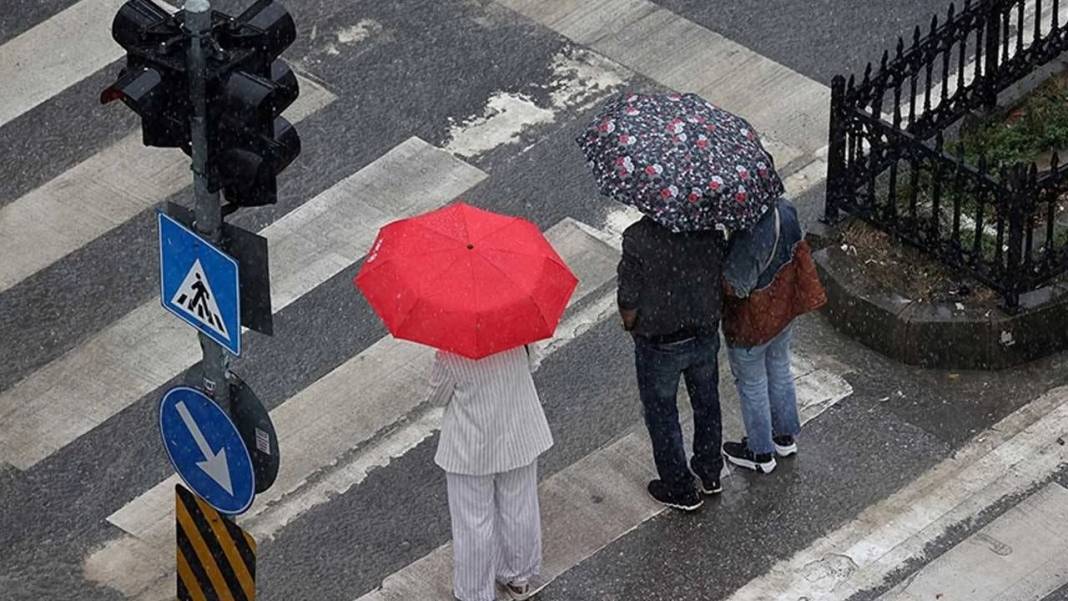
681, 160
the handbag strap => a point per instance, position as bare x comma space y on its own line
775, 247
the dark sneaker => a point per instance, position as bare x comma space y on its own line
785, 445
687, 499
739, 454
711, 486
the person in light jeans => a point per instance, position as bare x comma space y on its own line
769, 280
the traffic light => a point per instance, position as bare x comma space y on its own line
153, 83
252, 143
248, 87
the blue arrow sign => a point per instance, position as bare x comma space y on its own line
206, 450
199, 283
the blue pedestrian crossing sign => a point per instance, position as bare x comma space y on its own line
206, 450
199, 283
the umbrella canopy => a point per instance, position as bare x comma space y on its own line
466, 280
681, 160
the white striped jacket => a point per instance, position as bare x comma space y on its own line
494, 421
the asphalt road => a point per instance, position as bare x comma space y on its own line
430, 69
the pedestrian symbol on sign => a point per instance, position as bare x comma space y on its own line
196, 298
199, 283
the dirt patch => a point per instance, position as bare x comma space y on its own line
894, 268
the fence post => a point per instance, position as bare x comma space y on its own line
1019, 187
992, 50
836, 152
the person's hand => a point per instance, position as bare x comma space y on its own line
630, 317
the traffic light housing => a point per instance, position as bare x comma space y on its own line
251, 142
248, 87
153, 82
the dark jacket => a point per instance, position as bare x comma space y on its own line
673, 280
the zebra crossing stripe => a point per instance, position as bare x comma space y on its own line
574, 528
213, 553
78, 43
101, 193
319, 425
792, 111
144, 349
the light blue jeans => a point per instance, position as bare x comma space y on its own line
766, 388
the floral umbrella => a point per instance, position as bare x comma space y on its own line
681, 160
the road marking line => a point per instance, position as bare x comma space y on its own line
58, 53
675, 52
1008, 459
145, 348
575, 526
600, 498
320, 425
1020, 555
579, 80
100, 194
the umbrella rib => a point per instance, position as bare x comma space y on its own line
546, 257
420, 299
544, 321
510, 223
436, 232
373, 267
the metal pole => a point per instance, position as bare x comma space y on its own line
208, 211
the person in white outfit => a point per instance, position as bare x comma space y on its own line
493, 431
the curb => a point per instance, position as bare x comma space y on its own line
939, 335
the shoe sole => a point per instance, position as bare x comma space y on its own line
712, 491
763, 468
678, 506
786, 451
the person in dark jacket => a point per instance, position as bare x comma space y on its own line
770, 279
669, 297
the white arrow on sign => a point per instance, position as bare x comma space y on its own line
215, 464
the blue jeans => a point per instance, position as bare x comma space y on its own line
659, 367
766, 388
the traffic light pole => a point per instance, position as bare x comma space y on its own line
208, 209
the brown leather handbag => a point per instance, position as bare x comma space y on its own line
795, 290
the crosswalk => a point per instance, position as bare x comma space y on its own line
367, 412
1015, 455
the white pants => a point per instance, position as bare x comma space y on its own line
496, 530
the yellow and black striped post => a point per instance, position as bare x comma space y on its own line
216, 558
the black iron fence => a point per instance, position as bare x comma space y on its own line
889, 164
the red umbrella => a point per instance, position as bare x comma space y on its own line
466, 280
